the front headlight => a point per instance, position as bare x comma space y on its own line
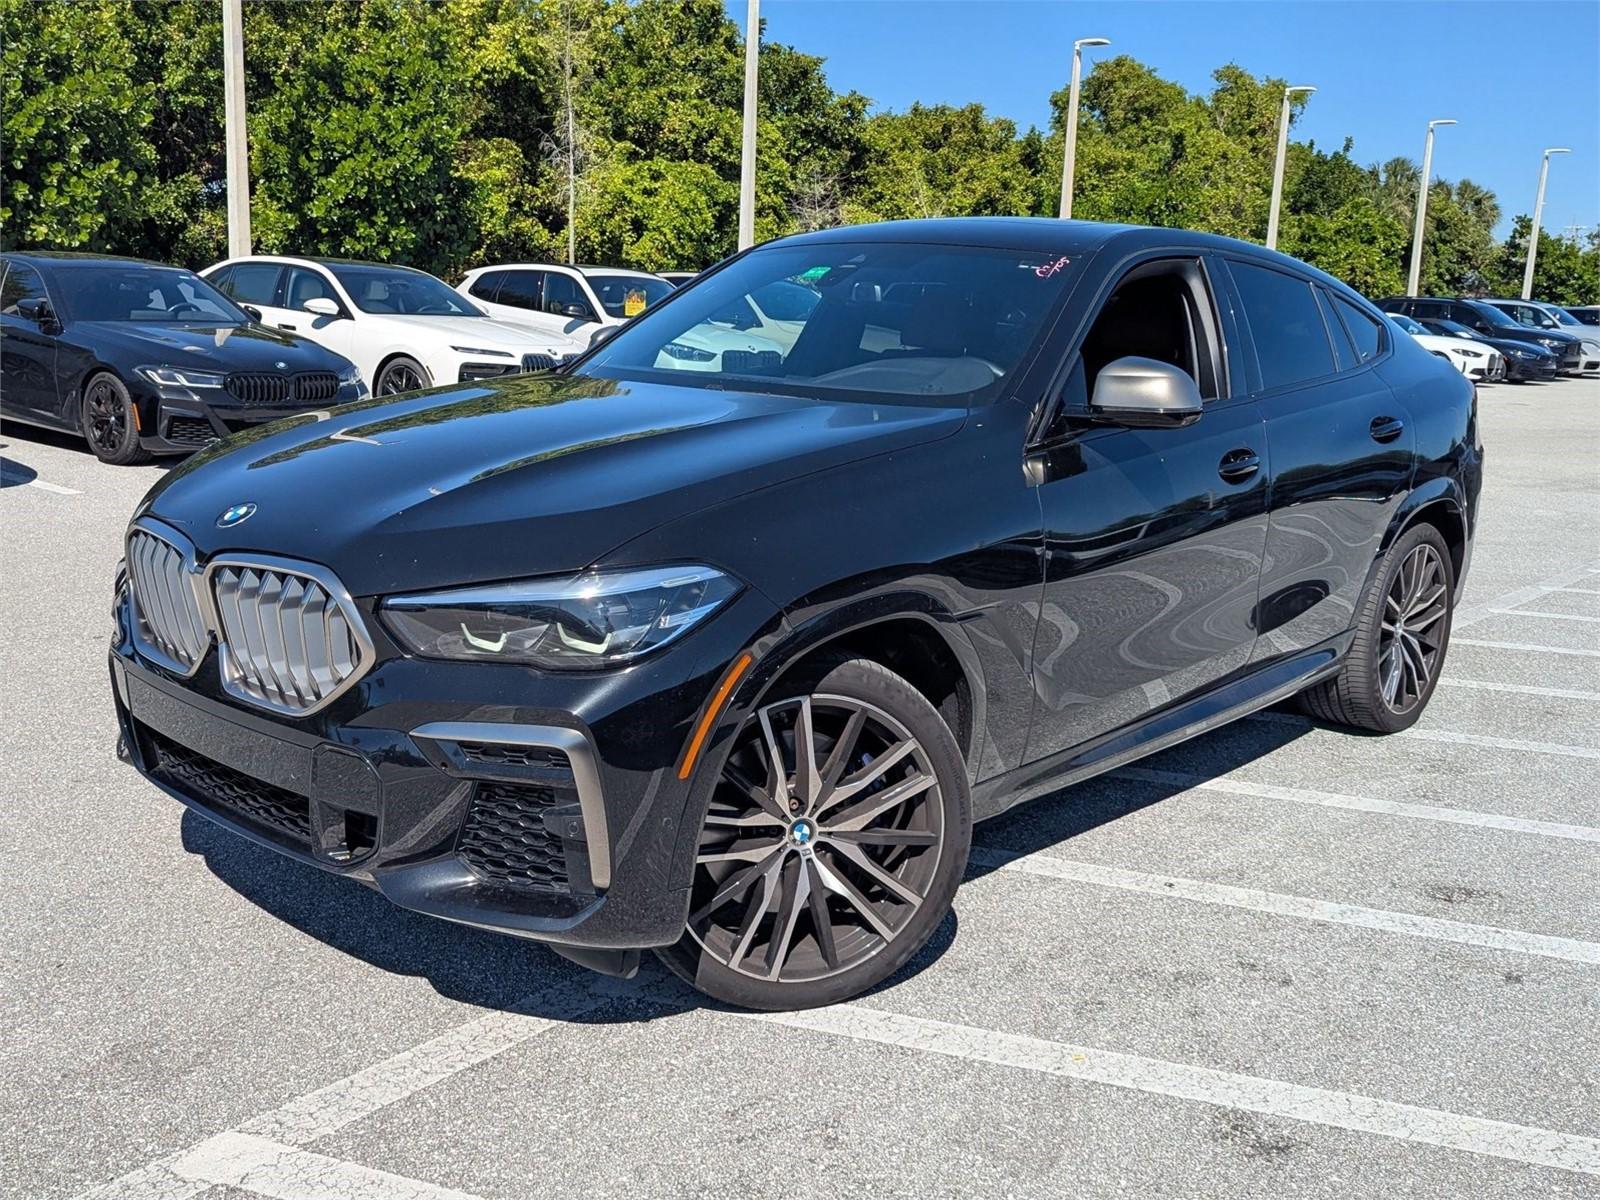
181, 377
1550, 343
1465, 353
583, 622
479, 350
350, 374
687, 353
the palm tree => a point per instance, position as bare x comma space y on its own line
1397, 188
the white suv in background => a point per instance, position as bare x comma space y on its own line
573, 301
403, 328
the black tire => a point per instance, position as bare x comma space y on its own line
1386, 682
400, 374
830, 948
108, 422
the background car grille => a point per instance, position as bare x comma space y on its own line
264, 388
505, 838
168, 612
235, 793
538, 362
288, 643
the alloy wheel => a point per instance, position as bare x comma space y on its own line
1415, 612
399, 378
821, 843
107, 417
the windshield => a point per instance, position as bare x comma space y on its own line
629, 295
1406, 323
1495, 317
1562, 316
947, 323
117, 292
402, 291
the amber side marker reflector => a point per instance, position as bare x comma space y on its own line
724, 690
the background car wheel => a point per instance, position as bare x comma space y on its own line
400, 375
1401, 637
836, 834
109, 423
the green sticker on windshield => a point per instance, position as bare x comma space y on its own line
813, 274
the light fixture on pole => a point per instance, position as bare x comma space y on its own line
237, 154
1277, 166
1070, 157
1422, 210
747, 152
1538, 215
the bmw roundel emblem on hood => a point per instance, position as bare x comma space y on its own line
234, 514
282, 366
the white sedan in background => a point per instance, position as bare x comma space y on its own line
576, 302
1475, 360
404, 329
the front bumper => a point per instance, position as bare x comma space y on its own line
1521, 370
487, 795
182, 423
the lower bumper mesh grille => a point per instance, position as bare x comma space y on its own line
505, 838
234, 792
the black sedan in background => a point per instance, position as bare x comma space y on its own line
1486, 322
145, 359
1524, 360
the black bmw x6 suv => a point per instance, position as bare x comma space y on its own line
724, 660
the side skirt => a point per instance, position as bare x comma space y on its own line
1264, 686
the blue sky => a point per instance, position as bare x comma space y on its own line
1518, 76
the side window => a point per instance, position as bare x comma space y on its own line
1285, 324
1363, 330
521, 289
1430, 310
560, 291
1344, 351
486, 285
221, 280
254, 283
22, 282
303, 285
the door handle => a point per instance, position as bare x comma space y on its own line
1386, 429
1238, 465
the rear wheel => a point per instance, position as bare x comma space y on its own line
1401, 637
109, 422
837, 832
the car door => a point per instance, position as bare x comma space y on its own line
302, 284
570, 301
1153, 537
27, 348
252, 283
520, 300
1341, 448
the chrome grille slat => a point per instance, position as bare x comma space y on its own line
169, 623
288, 643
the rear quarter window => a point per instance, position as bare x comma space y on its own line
1286, 325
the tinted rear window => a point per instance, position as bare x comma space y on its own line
1286, 325
1363, 330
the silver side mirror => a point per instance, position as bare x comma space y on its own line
1147, 393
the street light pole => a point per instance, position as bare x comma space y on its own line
238, 151
747, 154
1422, 210
1538, 215
1070, 158
1277, 166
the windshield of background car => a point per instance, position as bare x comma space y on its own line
117, 292
1495, 317
1562, 316
401, 292
927, 322
629, 295
1406, 323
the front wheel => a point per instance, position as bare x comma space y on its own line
1401, 636
109, 422
399, 375
836, 834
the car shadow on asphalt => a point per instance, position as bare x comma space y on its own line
472, 966
13, 473
64, 440
1052, 821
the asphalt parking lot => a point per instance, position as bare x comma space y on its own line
1277, 961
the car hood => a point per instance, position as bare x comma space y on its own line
1437, 341
525, 475
249, 347
488, 333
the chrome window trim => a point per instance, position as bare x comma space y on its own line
585, 772
192, 573
328, 582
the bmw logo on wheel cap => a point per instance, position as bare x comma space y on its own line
234, 514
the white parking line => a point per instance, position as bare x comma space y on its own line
1530, 646
1519, 689
1549, 616
53, 487
1473, 613
1499, 743
1271, 1097
1394, 808
329, 1109
268, 1168
1281, 905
